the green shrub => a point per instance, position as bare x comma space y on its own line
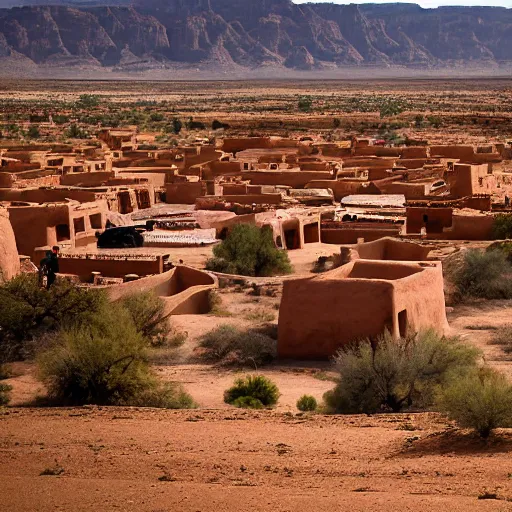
230, 345
27, 311
502, 227
103, 362
169, 395
248, 402
4, 394
250, 251
5, 372
307, 403
305, 103
147, 312
256, 387
484, 275
75, 132
502, 336
482, 401
391, 375
33, 132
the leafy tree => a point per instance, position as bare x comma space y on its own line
33, 132
156, 117
27, 311
250, 251
305, 103
391, 375
75, 132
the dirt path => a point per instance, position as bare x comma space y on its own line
154, 460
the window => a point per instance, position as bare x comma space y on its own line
62, 232
95, 221
79, 224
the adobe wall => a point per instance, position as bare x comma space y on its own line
184, 290
409, 190
469, 227
34, 226
352, 234
9, 258
86, 178
377, 151
6, 179
46, 195
421, 301
184, 193
242, 199
466, 153
469, 179
391, 249
294, 179
437, 219
234, 145
317, 317
340, 188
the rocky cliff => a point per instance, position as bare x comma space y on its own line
254, 33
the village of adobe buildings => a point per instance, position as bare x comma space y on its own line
374, 229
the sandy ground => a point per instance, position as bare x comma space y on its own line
220, 458
154, 460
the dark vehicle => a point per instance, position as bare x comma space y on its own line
120, 238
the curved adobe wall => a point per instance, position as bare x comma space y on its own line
185, 290
9, 258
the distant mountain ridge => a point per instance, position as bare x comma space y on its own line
251, 34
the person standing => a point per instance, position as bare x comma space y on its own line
49, 266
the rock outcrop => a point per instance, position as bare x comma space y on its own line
251, 34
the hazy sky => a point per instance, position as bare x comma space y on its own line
423, 3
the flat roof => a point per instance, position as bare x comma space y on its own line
378, 201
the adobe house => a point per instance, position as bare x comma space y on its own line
118, 139
470, 179
69, 224
9, 258
388, 248
449, 223
356, 301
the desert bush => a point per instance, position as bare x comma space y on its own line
481, 400
484, 275
147, 313
5, 390
305, 103
27, 311
307, 403
502, 227
104, 362
502, 336
88, 101
230, 345
391, 375
33, 132
248, 402
5, 372
75, 132
168, 395
251, 390
250, 251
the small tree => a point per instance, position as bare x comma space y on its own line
391, 375
75, 132
27, 311
305, 103
252, 391
482, 400
88, 100
250, 251
177, 125
103, 362
33, 132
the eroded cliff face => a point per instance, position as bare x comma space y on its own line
252, 33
